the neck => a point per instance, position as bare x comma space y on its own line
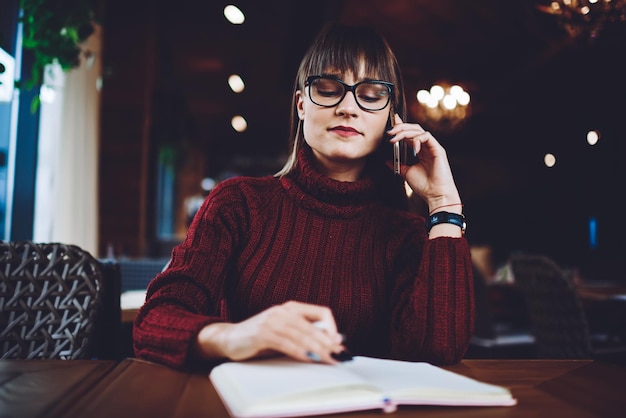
350, 170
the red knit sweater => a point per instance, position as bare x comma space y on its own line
257, 242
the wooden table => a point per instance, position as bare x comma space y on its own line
135, 388
129, 315
46, 388
602, 292
605, 310
130, 302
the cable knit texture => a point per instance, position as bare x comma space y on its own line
257, 242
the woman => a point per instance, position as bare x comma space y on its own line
328, 240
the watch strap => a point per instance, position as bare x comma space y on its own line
446, 218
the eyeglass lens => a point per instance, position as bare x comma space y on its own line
369, 95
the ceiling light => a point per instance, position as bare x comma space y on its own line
585, 19
236, 83
239, 123
593, 137
549, 160
234, 15
443, 107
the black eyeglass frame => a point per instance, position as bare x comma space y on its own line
346, 88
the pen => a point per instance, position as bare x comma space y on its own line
341, 356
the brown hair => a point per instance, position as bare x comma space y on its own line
344, 49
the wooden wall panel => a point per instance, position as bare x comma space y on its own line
129, 58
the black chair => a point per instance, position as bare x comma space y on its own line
57, 302
106, 339
497, 335
137, 273
558, 319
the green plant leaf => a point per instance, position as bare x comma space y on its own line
53, 30
34, 104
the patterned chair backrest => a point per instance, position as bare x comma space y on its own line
557, 317
49, 297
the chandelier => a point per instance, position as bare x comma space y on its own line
443, 106
585, 19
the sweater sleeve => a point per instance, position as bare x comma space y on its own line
189, 294
433, 311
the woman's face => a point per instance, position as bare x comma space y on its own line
341, 136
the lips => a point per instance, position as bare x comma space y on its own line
345, 130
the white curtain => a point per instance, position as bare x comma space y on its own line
66, 191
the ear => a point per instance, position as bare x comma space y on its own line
300, 104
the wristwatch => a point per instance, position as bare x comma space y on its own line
446, 218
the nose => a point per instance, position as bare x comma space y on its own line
348, 105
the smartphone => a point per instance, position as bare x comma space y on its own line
401, 155
400, 152
397, 157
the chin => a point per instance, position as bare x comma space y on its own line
347, 158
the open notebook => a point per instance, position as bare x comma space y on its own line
282, 387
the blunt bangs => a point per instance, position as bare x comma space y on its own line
347, 50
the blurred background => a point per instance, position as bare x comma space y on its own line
115, 152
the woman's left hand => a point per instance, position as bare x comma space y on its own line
431, 177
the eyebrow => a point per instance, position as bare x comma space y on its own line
338, 77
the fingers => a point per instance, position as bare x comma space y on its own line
430, 177
314, 334
412, 133
302, 331
304, 341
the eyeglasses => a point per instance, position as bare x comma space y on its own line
329, 91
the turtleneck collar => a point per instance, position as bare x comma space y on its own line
319, 192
